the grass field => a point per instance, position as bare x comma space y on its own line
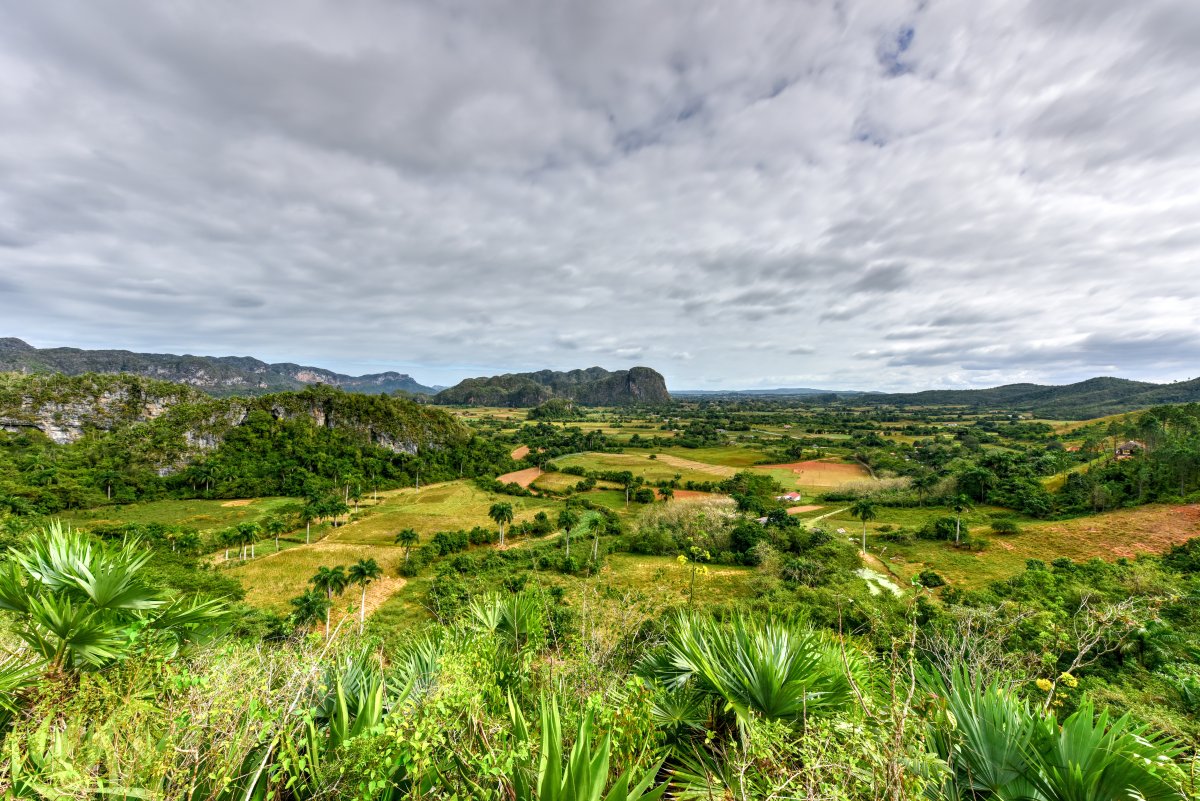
556, 482
727, 456
664, 468
273, 579
638, 586
199, 514
817, 474
1123, 533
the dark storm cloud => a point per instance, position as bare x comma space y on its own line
903, 194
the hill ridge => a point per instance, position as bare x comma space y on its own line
215, 375
591, 386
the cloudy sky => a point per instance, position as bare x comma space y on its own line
854, 194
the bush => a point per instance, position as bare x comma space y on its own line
901, 536
930, 579
943, 528
1005, 527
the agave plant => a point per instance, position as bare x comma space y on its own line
16, 676
515, 618
771, 669
984, 735
997, 747
81, 605
583, 774
1095, 758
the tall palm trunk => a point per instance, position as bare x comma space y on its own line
362, 608
308, 532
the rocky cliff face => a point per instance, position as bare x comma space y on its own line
66, 408
215, 375
594, 386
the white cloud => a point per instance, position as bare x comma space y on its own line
882, 195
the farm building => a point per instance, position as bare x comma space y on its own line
1129, 449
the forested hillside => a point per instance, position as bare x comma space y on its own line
594, 386
71, 442
1096, 397
216, 375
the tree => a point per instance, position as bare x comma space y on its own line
331, 581
408, 538
666, 493
864, 510
334, 508
311, 607
567, 520
923, 484
960, 505
226, 538
275, 526
501, 513
627, 482
308, 513
248, 534
362, 573
82, 605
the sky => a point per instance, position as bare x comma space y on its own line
852, 195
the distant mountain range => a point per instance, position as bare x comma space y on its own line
216, 375
594, 386
1095, 397
781, 391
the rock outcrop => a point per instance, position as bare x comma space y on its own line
594, 386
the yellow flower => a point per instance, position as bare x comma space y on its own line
1069, 680
681, 559
1044, 685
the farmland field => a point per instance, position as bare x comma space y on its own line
204, 515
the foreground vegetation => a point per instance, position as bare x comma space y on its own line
706, 600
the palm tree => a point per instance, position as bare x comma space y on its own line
308, 513
960, 505
311, 607
626, 479
362, 573
567, 520
331, 581
335, 508
864, 510
248, 534
501, 513
81, 606
408, 538
275, 526
924, 483
226, 538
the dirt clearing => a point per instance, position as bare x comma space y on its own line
700, 467
821, 474
522, 477
521, 452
